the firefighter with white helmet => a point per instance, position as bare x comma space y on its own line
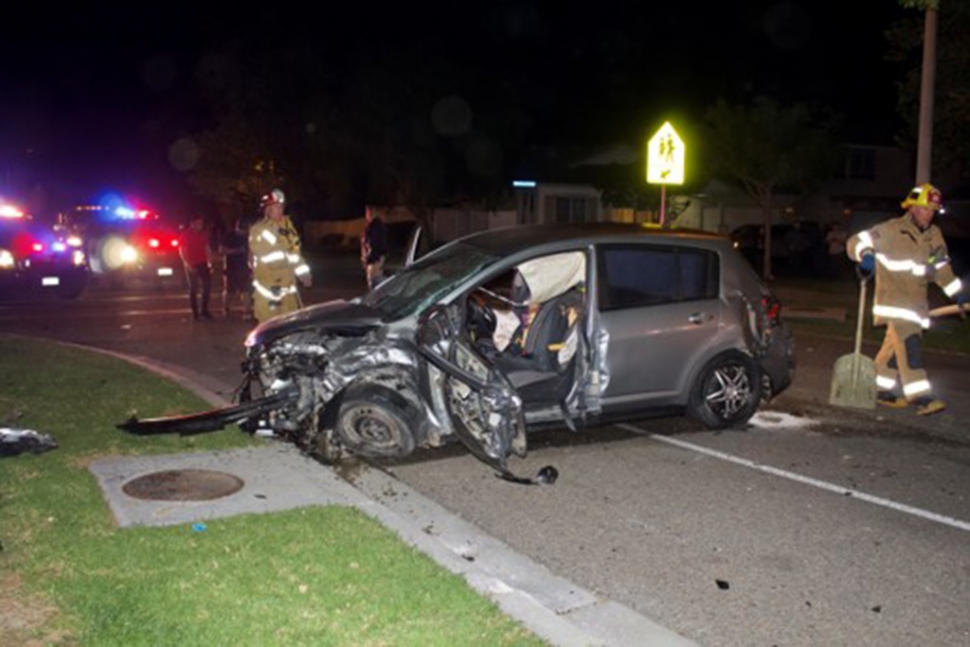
906, 254
274, 253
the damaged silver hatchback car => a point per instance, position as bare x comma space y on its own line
506, 331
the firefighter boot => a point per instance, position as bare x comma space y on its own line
890, 399
927, 405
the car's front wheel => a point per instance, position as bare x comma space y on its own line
727, 391
372, 423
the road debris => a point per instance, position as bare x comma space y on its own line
18, 441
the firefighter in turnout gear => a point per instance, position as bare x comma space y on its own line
906, 254
274, 253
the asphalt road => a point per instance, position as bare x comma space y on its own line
816, 526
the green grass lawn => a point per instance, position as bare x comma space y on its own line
311, 576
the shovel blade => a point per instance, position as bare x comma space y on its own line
854, 382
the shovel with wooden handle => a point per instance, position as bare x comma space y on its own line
952, 309
854, 375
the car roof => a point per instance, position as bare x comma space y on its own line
509, 240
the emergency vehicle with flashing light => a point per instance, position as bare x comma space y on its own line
125, 244
34, 259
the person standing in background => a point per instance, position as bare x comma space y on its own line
194, 251
373, 248
235, 249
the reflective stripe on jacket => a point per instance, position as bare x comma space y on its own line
274, 250
907, 260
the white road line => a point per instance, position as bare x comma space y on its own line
824, 485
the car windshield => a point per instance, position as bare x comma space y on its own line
424, 283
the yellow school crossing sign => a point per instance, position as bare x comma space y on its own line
665, 157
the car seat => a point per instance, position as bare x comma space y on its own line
541, 365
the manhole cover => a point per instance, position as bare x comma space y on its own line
183, 485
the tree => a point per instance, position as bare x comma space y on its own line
951, 118
762, 148
389, 127
235, 166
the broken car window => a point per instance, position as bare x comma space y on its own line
424, 283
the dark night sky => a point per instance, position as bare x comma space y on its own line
96, 95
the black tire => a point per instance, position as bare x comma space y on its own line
727, 391
375, 422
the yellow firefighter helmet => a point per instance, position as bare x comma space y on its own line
925, 195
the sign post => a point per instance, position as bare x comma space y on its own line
665, 163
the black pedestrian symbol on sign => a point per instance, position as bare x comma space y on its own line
667, 148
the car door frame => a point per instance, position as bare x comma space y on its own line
441, 347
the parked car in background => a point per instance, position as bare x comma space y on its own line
123, 244
35, 260
507, 331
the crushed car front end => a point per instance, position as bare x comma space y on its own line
357, 381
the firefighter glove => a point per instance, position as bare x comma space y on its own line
867, 266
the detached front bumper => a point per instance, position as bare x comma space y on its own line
207, 421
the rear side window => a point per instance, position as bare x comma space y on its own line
634, 276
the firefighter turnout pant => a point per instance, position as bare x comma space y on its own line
900, 361
271, 298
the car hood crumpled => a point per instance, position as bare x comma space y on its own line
334, 317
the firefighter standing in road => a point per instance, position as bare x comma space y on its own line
906, 254
274, 249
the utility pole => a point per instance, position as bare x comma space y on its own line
924, 146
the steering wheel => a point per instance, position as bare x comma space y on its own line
481, 318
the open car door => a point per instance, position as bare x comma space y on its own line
482, 405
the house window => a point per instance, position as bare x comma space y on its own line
861, 164
634, 276
570, 209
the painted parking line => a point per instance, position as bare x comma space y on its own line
792, 476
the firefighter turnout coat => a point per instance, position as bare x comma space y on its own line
908, 259
274, 248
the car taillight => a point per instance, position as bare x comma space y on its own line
772, 308
153, 243
24, 245
175, 242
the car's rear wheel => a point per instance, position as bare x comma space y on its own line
727, 391
372, 422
